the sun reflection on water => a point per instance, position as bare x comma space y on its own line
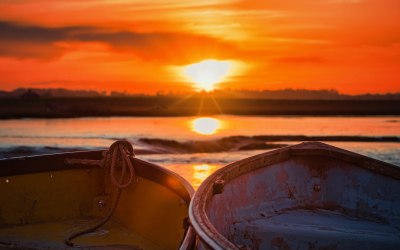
201, 172
206, 125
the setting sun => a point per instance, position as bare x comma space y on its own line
207, 73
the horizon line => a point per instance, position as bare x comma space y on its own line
170, 92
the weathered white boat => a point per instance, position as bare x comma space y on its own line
79, 201
307, 196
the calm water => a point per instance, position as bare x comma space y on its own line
35, 136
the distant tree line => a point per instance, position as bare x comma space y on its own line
283, 94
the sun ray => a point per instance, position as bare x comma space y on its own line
201, 105
217, 105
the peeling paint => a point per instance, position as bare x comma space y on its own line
309, 196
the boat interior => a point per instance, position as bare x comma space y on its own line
43, 201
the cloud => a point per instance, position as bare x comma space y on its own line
26, 41
29, 41
35, 34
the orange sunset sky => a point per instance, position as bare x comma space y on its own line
142, 46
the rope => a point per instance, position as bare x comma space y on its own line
117, 156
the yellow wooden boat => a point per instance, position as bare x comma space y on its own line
75, 201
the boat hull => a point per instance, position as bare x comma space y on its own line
43, 200
308, 196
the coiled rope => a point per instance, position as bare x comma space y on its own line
117, 159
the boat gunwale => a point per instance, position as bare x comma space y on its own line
56, 162
210, 236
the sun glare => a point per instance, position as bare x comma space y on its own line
206, 125
207, 73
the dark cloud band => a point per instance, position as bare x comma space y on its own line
36, 41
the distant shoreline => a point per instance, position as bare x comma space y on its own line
13, 108
145, 146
